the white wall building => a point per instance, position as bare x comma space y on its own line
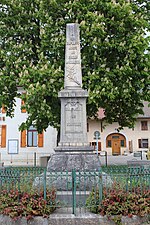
125, 141
30, 148
23, 148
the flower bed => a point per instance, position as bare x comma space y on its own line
22, 204
117, 203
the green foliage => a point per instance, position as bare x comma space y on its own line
117, 203
17, 204
92, 202
114, 50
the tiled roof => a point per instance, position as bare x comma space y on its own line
100, 113
146, 110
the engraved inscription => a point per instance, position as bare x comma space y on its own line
71, 74
72, 55
72, 47
72, 61
74, 124
73, 111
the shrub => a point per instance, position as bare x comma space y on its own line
92, 202
117, 202
17, 204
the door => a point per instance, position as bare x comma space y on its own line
115, 147
116, 141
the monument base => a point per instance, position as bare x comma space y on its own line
72, 149
69, 161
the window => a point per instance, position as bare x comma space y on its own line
122, 143
115, 137
23, 109
144, 125
108, 143
143, 143
94, 145
31, 138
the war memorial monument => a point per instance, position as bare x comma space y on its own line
73, 150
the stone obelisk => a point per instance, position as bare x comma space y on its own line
73, 150
73, 133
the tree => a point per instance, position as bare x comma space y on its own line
114, 52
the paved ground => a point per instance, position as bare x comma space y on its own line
120, 160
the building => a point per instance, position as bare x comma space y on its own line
30, 148
124, 141
27, 147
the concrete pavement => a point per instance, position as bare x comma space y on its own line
120, 159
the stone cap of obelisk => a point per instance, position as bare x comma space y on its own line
73, 75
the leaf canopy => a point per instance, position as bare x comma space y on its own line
114, 51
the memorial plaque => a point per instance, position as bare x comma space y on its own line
73, 114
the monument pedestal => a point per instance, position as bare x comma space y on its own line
60, 162
73, 131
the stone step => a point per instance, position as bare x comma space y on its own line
67, 197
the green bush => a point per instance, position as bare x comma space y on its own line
92, 202
17, 204
117, 203
120, 202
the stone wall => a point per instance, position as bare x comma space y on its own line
67, 219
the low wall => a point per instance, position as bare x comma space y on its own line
67, 219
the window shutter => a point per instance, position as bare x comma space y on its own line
23, 138
3, 136
3, 109
87, 127
140, 143
99, 146
23, 110
130, 145
40, 139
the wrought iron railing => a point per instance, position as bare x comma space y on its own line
74, 187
